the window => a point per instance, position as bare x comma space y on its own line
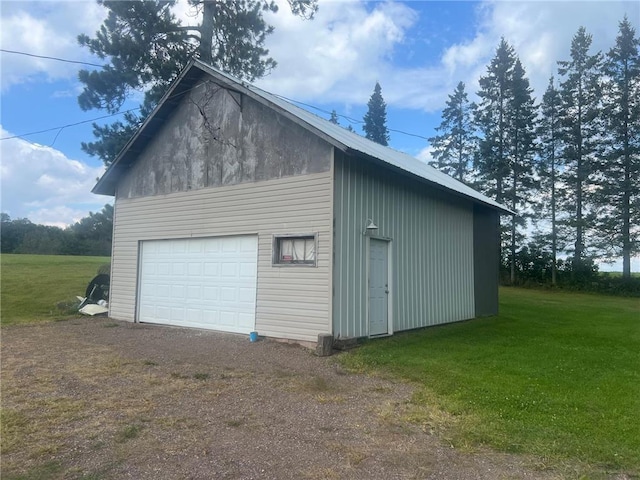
294, 250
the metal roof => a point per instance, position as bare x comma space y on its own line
338, 136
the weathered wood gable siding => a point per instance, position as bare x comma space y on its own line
253, 195
218, 137
431, 251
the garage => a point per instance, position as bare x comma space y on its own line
199, 282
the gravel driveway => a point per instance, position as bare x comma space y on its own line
94, 398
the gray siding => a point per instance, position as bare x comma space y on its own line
432, 260
218, 137
486, 260
292, 302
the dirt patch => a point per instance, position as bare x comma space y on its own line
94, 398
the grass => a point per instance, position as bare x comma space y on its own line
33, 286
556, 375
46, 471
128, 433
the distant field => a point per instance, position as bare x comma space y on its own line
556, 375
33, 285
619, 274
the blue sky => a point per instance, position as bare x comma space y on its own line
417, 50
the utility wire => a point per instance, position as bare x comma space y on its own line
69, 125
46, 57
62, 127
349, 119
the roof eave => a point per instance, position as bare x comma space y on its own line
500, 208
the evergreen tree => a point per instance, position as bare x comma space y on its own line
549, 129
375, 120
454, 147
521, 133
491, 160
334, 117
490, 116
146, 47
619, 179
581, 134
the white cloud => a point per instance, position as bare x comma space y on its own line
48, 29
339, 55
43, 185
426, 154
541, 32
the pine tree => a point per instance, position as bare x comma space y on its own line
334, 117
521, 133
454, 147
490, 116
619, 179
581, 130
549, 129
375, 120
146, 47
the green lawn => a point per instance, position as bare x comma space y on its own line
556, 375
33, 285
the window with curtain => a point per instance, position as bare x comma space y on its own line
295, 250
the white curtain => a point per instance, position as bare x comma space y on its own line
297, 250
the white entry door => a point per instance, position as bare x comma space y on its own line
199, 282
378, 287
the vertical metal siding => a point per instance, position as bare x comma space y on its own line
292, 302
432, 276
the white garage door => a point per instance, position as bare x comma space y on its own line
199, 282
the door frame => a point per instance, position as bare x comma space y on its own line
389, 243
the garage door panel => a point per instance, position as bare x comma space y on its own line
246, 295
163, 290
247, 244
161, 312
204, 283
211, 245
194, 292
211, 293
211, 269
194, 315
246, 320
248, 270
228, 318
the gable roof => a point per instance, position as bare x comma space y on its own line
339, 137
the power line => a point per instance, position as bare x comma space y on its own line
349, 119
60, 128
69, 125
46, 57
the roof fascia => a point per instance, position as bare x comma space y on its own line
420, 179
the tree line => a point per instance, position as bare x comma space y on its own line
568, 166
90, 236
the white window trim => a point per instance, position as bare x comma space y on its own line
276, 250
